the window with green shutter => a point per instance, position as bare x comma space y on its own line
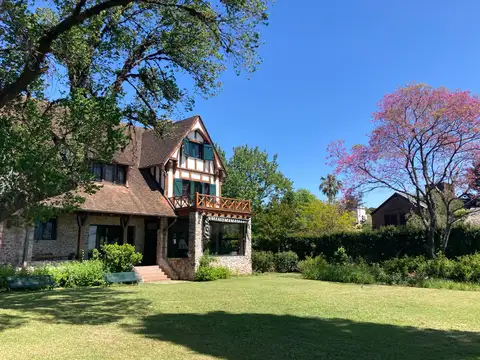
177, 187
213, 189
207, 152
186, 147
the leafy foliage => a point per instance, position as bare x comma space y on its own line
425, 144
254, 176
318, 217
120, 258
71, 72
263, 261
207, 271
377, 245
286, 262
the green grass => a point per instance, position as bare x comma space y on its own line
257, 317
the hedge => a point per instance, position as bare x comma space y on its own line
376, 245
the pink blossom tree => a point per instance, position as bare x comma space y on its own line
423, 138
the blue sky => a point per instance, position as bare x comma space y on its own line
325, 67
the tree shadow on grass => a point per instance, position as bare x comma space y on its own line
82, 306
266, 336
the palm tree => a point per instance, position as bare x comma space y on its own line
330, 186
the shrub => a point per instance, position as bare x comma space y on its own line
5, 271
74, 273
286, 262
120, 258
208, 272
467, 268
340, 256
376, 246
313, 268
441, 267
351, 273
405, 266
263, 261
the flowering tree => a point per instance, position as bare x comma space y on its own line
424, 144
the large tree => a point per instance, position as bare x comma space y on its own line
424, 145
253, 175
71, 71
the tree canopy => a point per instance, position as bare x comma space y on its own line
253, 175
72, 71
425, 144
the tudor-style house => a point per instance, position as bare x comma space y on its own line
160, 194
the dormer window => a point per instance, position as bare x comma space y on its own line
197, 150
114, 173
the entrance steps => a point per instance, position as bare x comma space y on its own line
151, 273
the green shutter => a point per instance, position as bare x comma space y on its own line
177, 187
213, 189
192, 191
207, 152
186, 147
38, 232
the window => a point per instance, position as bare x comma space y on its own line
390, 219
45, 230
227, 238
114, 173
185, 187
108, 234
196, 150
177, 246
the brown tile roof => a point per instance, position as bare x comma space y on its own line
156, 150
141, 197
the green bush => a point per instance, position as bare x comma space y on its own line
207, 271
441, 267
376, 246
340, 256
313, 268
405, 266
263, 261
467, 268
286, 262
318, 269
74, 273
119, 258
5, 271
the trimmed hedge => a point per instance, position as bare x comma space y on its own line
266, 261
376, 245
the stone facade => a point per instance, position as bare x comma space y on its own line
185, 268
241, 265
12, 243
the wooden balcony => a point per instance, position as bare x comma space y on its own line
212, 204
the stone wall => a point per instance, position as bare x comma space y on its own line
66, 241
240, 264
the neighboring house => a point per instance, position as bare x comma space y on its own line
361, 215
393, 211
162, 195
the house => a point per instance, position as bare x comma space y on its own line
393, 211
160, 194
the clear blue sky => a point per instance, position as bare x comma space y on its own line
326, 65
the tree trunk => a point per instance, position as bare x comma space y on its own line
431, 244
445, 237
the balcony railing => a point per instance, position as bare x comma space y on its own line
211, 202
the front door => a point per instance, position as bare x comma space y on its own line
150, 248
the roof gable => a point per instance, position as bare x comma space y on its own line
410, 199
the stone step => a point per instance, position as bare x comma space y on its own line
151, 273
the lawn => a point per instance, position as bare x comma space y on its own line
257, 317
